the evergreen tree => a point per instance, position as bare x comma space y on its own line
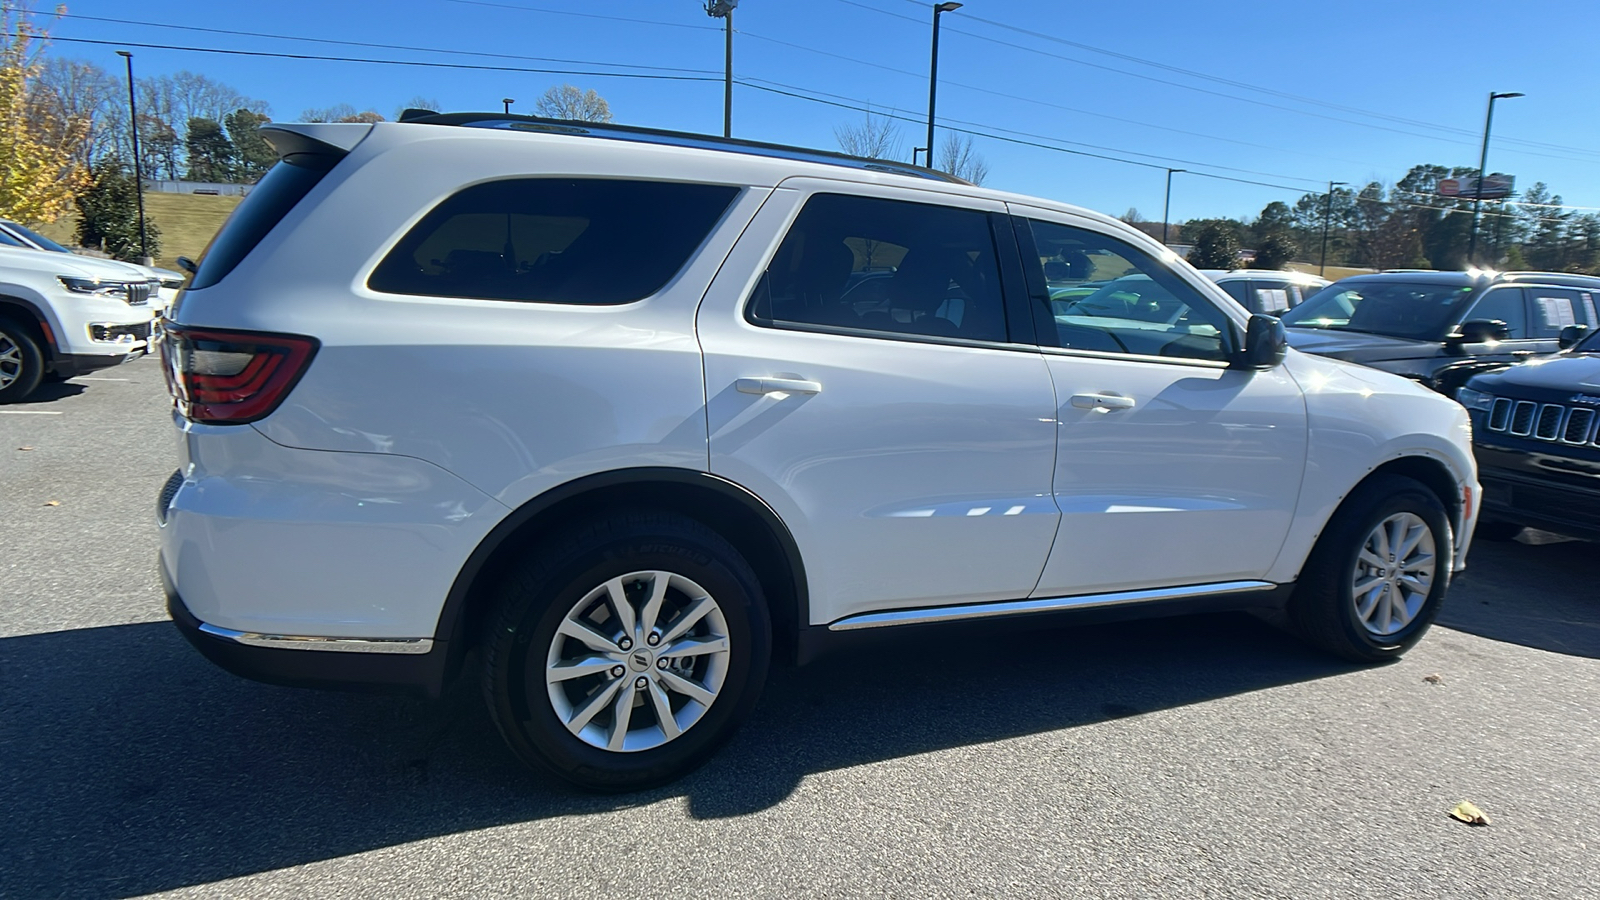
108, 213
253, 156
1216, 245
210, 152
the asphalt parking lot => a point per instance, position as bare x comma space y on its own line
1199, 757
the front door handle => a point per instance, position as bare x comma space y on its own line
1102, 402
777, 385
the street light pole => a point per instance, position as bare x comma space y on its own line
933, 70
1327, 213
507, 101
138, 170
723, 9
1166, 208
1483, 160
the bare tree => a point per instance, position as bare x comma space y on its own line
1132, 216
418, 102
876, 137
568, 102
340, 112
74, 91
957, 157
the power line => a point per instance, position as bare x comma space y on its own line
367, 44
1224, 95
386, 62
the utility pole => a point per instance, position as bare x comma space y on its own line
933, 70
1166, 208
1483, 160
1327, 213
138, 170
723, 9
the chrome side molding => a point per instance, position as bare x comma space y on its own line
1041, 604
335, 644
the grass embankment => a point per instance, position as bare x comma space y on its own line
187, 223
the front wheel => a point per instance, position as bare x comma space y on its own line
623, 656
21, 362
1376, 579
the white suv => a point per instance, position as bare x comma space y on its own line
629, 412
63, 315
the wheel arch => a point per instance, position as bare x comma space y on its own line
733, 511
29, 316
1432, 474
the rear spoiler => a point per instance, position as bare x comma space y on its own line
317, 138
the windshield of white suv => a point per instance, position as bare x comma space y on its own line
39, 239
1422, 312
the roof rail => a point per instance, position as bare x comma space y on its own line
607, 130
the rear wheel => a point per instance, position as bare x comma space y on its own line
623, 656
1378, 575
21, 362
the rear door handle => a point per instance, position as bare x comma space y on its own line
1104, 402
777, 385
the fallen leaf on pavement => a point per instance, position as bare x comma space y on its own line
1469, 814
52, 503
24, 448
1435, 678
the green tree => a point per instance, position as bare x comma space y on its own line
39, 172
1275, 218
253, 156
1216, 244
209, 150
108, 213
1275, 251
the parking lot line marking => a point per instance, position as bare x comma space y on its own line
92, 378
30, 412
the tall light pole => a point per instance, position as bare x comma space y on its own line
939, 9
138, 170
1166, 208
1483, 160
1327, 213
508, 101
723, 9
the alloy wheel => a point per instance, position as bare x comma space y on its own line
1394, 574
637, 661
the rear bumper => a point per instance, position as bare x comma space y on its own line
417, 673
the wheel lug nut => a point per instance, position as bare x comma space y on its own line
641, 683
654, 639
625, 644
661, 663
616, 671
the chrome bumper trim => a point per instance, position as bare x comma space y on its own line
334, 644
1038, 605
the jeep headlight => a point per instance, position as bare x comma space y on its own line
94, 287
1472, 399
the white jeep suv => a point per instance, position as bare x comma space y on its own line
63, 315
630, 412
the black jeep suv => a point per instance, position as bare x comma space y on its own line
1441, 328
1534, 431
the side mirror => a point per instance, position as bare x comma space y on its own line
1571, 335
1481, 331
187, 264
1265, 344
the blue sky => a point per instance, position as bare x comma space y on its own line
1286, 93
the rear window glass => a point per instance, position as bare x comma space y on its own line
284, 185
554, 240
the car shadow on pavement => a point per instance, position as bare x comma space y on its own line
51, 391
1538, 591
130, 765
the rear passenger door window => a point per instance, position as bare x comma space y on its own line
1271, 297
1120, 299
1556, 308
1505, 304
886, 266
591, 241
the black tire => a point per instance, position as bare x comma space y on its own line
1497, 530
536, 599
21, 362
1323, 608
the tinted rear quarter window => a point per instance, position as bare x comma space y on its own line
284, 185
554, 240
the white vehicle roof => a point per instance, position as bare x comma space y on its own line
1240, 274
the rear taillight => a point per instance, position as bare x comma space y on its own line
232, 377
